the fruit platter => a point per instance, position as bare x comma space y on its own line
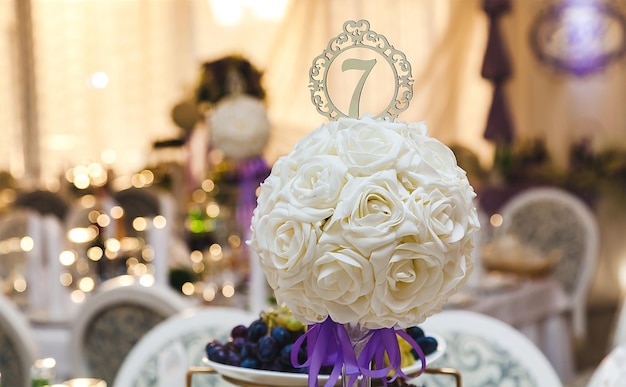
260, 353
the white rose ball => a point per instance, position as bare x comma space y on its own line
367, 222
240, 127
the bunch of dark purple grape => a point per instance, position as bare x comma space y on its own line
266, 344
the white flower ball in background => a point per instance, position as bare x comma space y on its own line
240, 127
369, 222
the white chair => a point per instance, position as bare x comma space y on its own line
22, 262
487, 352
43, 202
18, 350
113, 320
162, 357
612, 370
149, 203
549, 218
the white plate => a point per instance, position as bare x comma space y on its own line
289, 379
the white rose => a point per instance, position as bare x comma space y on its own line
457, 271
371, 213
344, 280
439, 215
414, 132
320, 141
284, 245
409, 282
306, 308
283, 170
439, 158
366, 149
316, 186
435, 163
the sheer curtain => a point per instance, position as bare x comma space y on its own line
107, 73
443, 40
10, 124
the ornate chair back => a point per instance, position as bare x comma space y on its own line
113, 320
162, 357
18, 350
549, 219
487, 352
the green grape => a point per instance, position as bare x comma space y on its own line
295, 325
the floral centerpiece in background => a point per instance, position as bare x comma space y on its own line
232, 96
229, 166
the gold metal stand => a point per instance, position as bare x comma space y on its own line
446, 371
208, 370
197, 370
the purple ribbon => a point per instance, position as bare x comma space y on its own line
328, 344
384, 341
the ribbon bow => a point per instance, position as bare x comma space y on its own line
328, 344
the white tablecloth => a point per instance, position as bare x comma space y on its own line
537, 308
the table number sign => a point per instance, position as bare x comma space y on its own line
362, 51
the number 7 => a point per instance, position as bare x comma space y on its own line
357, 64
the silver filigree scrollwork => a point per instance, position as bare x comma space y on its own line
357, 34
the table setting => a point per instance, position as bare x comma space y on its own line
362, 231
524, 294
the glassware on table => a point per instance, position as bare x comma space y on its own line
85, 382
358, 337
42, 372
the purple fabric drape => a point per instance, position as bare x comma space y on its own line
251, 173
497, 68
499, 127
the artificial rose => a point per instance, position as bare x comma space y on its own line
318, 142
440, 220
287, 245
306, 306
344, 280
410, 275
371, 212
316, 185
433, 163
366, 150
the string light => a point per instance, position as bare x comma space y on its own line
231, 12
98, 80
